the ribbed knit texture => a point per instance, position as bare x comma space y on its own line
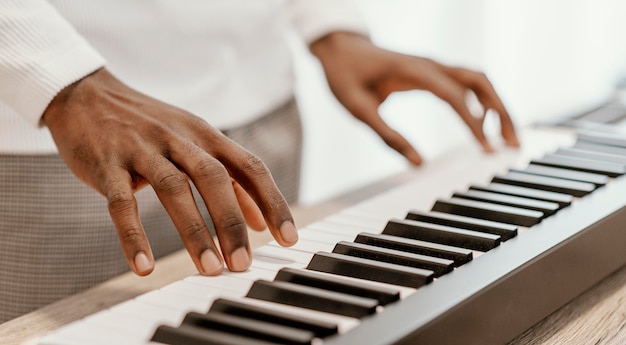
40, 54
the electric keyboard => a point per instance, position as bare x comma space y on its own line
474, 250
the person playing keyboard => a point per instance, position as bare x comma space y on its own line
195, 100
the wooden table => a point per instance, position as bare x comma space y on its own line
596, 317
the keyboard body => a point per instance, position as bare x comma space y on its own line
489, 300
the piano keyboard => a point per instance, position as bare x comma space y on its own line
475, 250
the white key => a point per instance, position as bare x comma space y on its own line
307, 246
152, 313
273, 264
314, 234
347, 230
286, 254
375, 218
351, 219
177, 301
80, 333
132, 329
240, 284
251, 274
197, 290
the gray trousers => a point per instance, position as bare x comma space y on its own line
56, 236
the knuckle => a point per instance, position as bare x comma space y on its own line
233, 223
131, 235
120, 202
277, 201
210, 168
195, 232
254, 165
479, 80
171, 182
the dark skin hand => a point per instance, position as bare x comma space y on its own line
118, 140
362, 76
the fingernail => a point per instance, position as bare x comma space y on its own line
239, 260
513, 142
414, 158
411, 155
289, 233
211, 264
142, 264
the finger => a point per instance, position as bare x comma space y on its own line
255, 178
449, 90
507, 128
489, 98
174, 192
251, 212
125, 215
364, 106
487, 95
214, 184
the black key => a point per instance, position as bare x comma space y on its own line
546, 183
489, 211
506, 231
580, 164
562, 199
191, 335
605, 138
312, 298
383, 272
458, 255
548, 208
256, 329
383, 295
442, 234
598, 156
321, 329
597, 179
366, 251
615, 150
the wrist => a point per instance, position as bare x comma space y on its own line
334, 41
69, 95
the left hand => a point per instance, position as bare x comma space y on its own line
362, 76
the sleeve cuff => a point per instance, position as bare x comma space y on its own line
41, 55
314, 19
45, 83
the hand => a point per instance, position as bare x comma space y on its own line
118, 140
362, 75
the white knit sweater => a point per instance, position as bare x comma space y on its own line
224, 60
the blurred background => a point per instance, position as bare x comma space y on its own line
546, 58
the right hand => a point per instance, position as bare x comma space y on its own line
118, 140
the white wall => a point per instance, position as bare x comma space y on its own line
545, 57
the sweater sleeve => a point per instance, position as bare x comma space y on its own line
314, 19
40, 54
